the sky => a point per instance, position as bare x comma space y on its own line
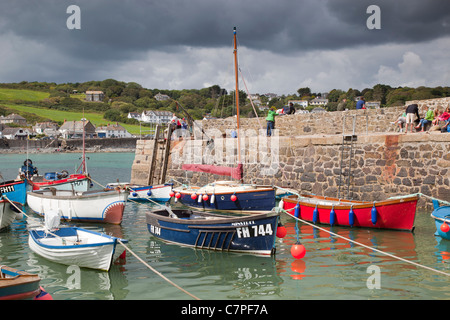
283, 45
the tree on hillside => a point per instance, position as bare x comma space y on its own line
304, 92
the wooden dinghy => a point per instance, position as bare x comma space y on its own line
18, 285
396, 214
75, 246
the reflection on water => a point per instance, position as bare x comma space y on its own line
333, 268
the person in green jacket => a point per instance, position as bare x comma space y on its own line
271, 120
429, 117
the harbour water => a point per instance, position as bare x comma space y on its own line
333, 268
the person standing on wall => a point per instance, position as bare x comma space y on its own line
411, 110
271, 120
361, 104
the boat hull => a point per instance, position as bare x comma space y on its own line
91, 206
75, 182
15, 190
159, 193
251, 199
74, 246
8, 213
396, 214
254, 234
441, 215
18, 285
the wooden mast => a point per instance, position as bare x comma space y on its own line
237, 96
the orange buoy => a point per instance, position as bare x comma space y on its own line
298, 251
281, 232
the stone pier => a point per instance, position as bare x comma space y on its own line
306, 155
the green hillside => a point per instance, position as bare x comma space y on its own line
21, 94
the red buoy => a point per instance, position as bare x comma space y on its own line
233, 197
281, 232
194, 196
171, 194
178, 195
205, 197
298, 251
444, 227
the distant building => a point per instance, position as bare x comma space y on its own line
301, 103
162, 97
270, 95
156, 116
373, 104
318, 102
13, 118
112, 131
74, 129
95, 96
134, 115
15, 133
42, 127
255, 98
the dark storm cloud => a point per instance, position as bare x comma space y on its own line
180, 43
118, 28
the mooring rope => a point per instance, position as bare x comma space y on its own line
157, 272
361, 244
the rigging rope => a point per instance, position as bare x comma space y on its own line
361, 244
157, 272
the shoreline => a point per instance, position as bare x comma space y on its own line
56, 151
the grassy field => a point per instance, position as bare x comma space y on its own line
26, 95
55, 115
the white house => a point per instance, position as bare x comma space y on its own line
134, 115
161, 97
16, 133
112, 131
318, 102
156, 116
301, 103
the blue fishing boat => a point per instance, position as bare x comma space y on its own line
253, 234
441, 215
15, 190
227, 196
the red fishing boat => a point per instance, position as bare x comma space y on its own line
396, 214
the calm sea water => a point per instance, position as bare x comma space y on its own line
333, 269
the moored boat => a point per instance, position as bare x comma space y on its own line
441, 216
74, 246
18, 285
396, 214
227, 196
253, 234
15, 190
158, 193
58, 180
9, 211
104, 206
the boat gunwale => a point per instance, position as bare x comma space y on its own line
355, 204
113, 240
91, 194
220, 219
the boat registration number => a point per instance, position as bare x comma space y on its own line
6, 189
254, 231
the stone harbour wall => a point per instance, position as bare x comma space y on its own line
383, 165
306, 154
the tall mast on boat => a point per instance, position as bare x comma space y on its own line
237, 95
